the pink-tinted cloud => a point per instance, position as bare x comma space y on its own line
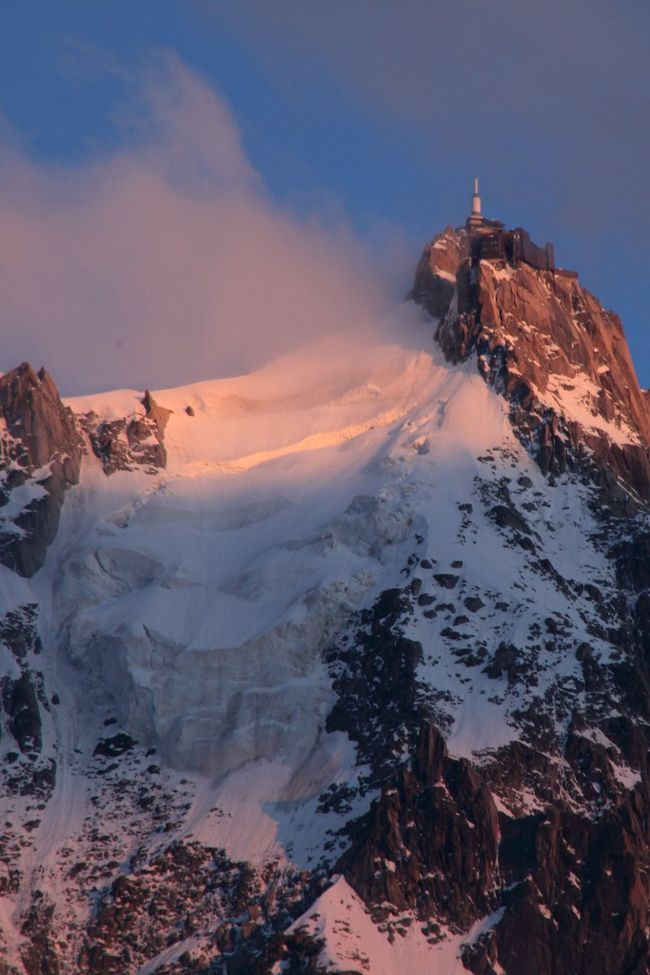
166, 262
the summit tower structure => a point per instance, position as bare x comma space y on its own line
476, 218
490, 240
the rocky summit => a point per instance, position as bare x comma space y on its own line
342, 666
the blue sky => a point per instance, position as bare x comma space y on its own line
376, 114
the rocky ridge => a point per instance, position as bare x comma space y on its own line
127, 443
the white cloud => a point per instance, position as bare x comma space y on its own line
166, 262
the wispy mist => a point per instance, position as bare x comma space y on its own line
166, 262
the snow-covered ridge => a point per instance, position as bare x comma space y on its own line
328, 391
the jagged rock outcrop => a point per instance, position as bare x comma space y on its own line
429, 843
437, 271
41, 451
40, 456
575, 896
561, 360
129, 443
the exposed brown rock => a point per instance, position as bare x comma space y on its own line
435, 276
188, 888
541, 339
155, 412
40, 447
430, 842
129, 443
576, 898
547, 838
566, 886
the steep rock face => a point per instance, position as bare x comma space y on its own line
24, 704
429, 843
564, 873
577, 888
28, 758
560, 358
383, 659
40, 455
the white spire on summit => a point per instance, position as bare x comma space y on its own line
476, 200
476, 221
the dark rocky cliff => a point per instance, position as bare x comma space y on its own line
40, 456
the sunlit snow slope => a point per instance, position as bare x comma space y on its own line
201, 597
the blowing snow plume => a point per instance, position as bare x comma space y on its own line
166, 262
